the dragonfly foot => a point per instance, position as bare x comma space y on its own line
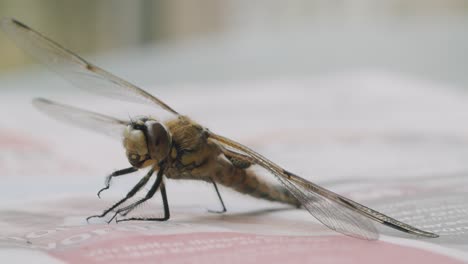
162, 219
217, 212
103, 189
93, 216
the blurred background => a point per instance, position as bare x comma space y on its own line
335, 91
344, 71
206, 40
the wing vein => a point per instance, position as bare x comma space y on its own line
73, 67
333, 210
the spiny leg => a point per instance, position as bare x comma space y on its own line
115, 174
166, 209
154, 188
129, 195
220, 199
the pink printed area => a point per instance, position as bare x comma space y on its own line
246, 249
13, 140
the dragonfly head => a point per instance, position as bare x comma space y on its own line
146, 141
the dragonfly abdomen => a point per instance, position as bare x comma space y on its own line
249, 182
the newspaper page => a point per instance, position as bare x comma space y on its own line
393, 143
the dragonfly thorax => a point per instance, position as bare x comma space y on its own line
146, 141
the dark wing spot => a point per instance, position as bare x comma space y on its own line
20, 24
90, 67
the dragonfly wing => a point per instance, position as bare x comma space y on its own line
333, 210
75, 69
93, 121
357, 207
334, 215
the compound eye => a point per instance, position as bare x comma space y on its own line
159, 140
134, 158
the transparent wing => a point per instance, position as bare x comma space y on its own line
75, 69
333, 210
93, 121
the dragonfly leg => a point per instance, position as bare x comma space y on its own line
166, 209
115, 174
129, 195
220, 199
154, 188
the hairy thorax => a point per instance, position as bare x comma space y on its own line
192, 153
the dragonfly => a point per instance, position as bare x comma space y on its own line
180, 148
